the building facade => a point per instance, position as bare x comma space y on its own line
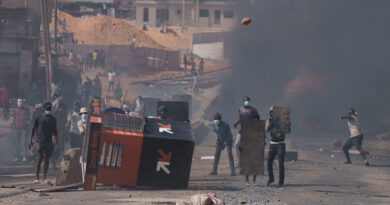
19, 38
191, 13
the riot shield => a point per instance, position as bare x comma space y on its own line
252, 147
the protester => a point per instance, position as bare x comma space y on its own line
224, 139
185, 61
140, 107
87, 90
82, 123
277, 147
89, 60
162, 113
193, 70
201, 66
45, 128
95, 58
75, 138
356, 138
118, 93
21, 116
111, 80
4, 100
245, 112
60, 112
195, 88
71, 55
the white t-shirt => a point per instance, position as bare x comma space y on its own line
354, 127
111, 76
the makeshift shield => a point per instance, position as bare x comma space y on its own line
178, 111
282, 118
252, 147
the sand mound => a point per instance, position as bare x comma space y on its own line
104, 30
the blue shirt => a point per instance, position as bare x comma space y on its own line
222, 132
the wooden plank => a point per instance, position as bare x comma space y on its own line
282, 118
252, 147
58, 188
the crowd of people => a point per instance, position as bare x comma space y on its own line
91, 60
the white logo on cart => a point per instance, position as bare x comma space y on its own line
164, 161
165, 128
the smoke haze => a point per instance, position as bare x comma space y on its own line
317, 57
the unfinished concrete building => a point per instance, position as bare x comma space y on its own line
19, 37
191, 13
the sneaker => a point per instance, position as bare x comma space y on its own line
347, 162
281, 183
367, 164
213, 173
24, 159
247, 184
46, 182
36, 181
254, 183
270, 182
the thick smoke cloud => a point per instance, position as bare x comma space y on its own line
318, 57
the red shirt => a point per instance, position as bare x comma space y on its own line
21, 116
4, 94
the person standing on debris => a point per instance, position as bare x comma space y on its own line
224, 139
246, 112
4, 100
89, 60
82, 123
75, 139
71, 55
277, 147
139, 107
87, 90
118, 93
356, 138
111, 80
185, 61
45, 127
20, 125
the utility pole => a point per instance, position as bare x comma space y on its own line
46, 36
55, 33
197, 14
183, 12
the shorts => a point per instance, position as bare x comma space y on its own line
45, 149
356, 141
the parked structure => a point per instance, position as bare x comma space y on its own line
206, 13
19, 37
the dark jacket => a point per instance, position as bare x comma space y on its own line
276, 133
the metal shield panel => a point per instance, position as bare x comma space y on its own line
282, 118
252, 147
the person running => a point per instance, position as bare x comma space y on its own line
45, 128
356, 138
224, 139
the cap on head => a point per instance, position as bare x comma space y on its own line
217, 116
47, 106
162, 108
83, 110
246, 98
352, 111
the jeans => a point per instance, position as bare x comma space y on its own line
220, 147
280, 150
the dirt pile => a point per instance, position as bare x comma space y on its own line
103, 30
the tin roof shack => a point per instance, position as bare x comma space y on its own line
204, 14
19, 35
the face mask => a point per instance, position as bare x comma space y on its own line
217, 122
47, 112
84, 117
40, 105
246, 103
20, 103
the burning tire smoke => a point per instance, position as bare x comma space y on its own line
318, 57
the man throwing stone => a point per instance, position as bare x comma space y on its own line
356, 138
